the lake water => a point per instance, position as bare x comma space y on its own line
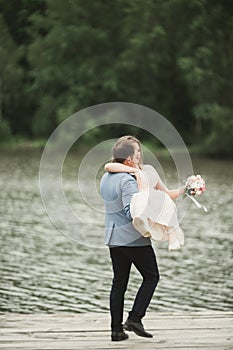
41, 270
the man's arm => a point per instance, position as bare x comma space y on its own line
129, 188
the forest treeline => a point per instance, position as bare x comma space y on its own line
174, 56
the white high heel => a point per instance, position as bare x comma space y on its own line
174, 246
141, 226
180, 236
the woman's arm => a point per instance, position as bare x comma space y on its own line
119, 168
122, 168
172, 193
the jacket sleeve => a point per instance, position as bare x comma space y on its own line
128, 187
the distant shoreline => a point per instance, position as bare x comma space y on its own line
39, 145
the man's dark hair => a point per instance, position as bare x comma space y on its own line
124, 148
122, 151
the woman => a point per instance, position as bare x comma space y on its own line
153, 210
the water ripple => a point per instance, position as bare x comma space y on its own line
43, 271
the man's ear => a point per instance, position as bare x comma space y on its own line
128, 161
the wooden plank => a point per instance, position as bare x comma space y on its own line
187, 331
78, 336
91, 324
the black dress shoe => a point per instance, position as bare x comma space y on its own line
118, 336
137, 328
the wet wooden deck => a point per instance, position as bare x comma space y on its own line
186, 331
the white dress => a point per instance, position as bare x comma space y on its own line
156, 211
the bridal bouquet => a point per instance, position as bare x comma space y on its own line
194, 184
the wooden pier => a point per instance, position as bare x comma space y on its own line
186, 331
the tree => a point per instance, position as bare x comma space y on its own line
72, 60
173, 56
10, 77
18, 102
206, 63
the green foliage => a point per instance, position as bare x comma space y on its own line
174, 56
219, 140
5, 133
10, 75
206, 64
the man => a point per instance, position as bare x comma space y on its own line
127, 246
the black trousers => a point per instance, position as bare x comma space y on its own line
145, 261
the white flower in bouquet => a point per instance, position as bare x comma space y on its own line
195, 185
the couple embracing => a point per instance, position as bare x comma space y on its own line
138, 207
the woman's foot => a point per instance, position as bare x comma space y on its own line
174, 245
141, 225
180, 236
157, 231
173, 241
